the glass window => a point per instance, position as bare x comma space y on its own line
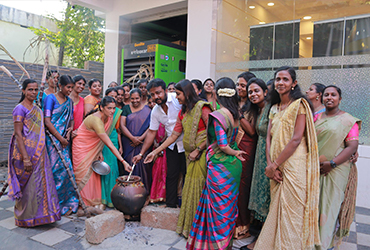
286, 41
357, 39
276, 41
328, 39
261, 43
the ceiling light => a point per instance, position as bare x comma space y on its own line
307, 17
270, 4
308, 38
252, 7
262, 22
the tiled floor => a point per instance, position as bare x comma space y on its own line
68, 233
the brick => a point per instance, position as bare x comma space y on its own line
103, 226
160, 217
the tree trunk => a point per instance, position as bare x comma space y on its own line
61, 55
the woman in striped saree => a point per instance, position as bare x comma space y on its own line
215, 219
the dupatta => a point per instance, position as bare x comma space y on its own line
137, 123
86, 146
283, 132
192, 138
34, 142
231, 163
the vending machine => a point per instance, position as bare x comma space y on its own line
167, 60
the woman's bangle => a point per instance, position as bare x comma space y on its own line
276, 163
123, 160
141, 155
26, 161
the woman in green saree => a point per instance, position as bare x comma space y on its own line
192, 121
108, 181
337, 136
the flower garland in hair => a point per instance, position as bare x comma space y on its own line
226, 92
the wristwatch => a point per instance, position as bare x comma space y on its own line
333, 164
199, 149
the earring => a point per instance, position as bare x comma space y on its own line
317, 98
292, 88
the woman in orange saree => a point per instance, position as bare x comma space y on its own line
91, 137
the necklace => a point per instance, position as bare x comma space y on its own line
333, 114
280, 108
27, 105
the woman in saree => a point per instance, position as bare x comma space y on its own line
108, 181
337, 136
59, 121
192, 120
126, 96
314, 94
78, 101
215, 219
52, 78
93, 99
30, 178
246, 141
91, 137
120, 96
293, 165
135, 120
259, 200
144, 92
159, 169
209, 94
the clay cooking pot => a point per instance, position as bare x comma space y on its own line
129, 196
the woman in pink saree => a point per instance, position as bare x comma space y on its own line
91, 137
78, 101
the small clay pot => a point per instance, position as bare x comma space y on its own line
129, 196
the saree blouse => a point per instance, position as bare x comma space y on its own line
353, 134
95, 124
52, 103
202, 122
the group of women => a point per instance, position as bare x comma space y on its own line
253, 152
298, 178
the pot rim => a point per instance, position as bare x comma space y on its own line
133, 179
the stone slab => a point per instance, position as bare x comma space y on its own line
160, 217
103, 226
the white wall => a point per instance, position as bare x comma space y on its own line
111, 49
363, 168
201, 40
17, 43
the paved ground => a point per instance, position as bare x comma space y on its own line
69, 233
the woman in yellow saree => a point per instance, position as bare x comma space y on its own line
337, 137
293, 167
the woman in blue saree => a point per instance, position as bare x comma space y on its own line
59, 121
134, 125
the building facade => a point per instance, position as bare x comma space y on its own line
325, 41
